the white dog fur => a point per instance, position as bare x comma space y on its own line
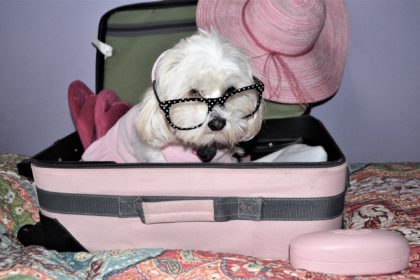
203, 65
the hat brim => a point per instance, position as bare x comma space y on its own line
308, 78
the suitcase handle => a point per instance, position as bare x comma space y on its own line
177, 211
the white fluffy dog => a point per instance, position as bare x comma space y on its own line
204, 98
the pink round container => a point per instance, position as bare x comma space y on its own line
350, 252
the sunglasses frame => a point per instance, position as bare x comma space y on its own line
211, 102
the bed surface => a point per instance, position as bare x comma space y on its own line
380, 196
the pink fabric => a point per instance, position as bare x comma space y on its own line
297, 48
93, 115
201, 181
177, 153
119, 144
266, 239
178, 211
116, 145
262, 239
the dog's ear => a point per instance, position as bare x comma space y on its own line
151, 123
254, 123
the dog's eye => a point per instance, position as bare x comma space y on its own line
229, 90
194, 92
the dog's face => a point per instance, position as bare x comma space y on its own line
198, 82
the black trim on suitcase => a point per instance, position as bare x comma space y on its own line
50, 234
274, 135
103, 26
225, 208
55, 153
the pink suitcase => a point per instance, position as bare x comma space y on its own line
252, 208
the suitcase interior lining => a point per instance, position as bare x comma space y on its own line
138, 36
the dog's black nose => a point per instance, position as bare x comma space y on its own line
217, 124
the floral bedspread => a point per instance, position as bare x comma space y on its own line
380, 196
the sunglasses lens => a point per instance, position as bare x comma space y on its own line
187, 115
243, 104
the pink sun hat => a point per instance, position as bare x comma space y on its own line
297, 47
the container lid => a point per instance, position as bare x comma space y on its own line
350, 252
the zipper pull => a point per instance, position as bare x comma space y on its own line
103, 48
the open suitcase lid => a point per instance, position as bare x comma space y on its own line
138, 34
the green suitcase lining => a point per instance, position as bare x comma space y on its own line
152, 31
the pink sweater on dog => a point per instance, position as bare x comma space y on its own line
118, 145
